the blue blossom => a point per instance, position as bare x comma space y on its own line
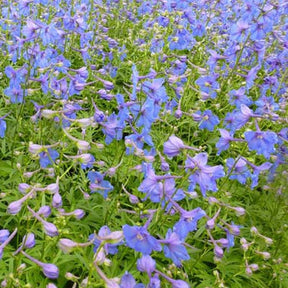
174, 248
173, 146
188, 223
203, 174
146, 264
128, 281
110, 248
139, 239
238, 97
145, 113
262, 142
98, 184
2, 128
155, 90
208, 85
48, 157
239, 170
15, 92
112, 128
224, 142
207, 119
239, 31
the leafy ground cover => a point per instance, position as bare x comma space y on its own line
143, 143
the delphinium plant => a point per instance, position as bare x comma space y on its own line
143, 143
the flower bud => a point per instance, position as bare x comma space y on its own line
146, 264
164, 166
239, 211
14, 207
254, 231
29, 240
254, 267
28, 174
45, 211
223, 242
248, 271
35, 148
24, 188
84, 283
66, 245
50, 229
108, 85
52, 188
21, 268
113, 237
51, 271
218, 251
51, 285
4, 234
212, 200
133, 199
57, 200
210, 224
100, 256
48, 114
71, 277
268, 240
179, 284
79, 213
83, 145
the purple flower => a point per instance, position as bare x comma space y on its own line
173, 146
51, 271
155, 90
50, 229
146, 264
46, 158
240, 170
238, 97
2, 128
224, 142
29, 240
110, 248
208, 85
98, 184
4, 234
174, 248
179, 284
262, 142
112, 128
128, 281
239, 31
207, 119
139, 239
187, 223
203, 174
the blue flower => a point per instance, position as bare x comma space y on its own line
174, 248
46, 158
240, 170
108, 247
203, 174
238, 97
98, 184
2, 128
224, 142
128, 281
139, 239
208, 85
188, 222
262, 142
207, 120
146, 264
